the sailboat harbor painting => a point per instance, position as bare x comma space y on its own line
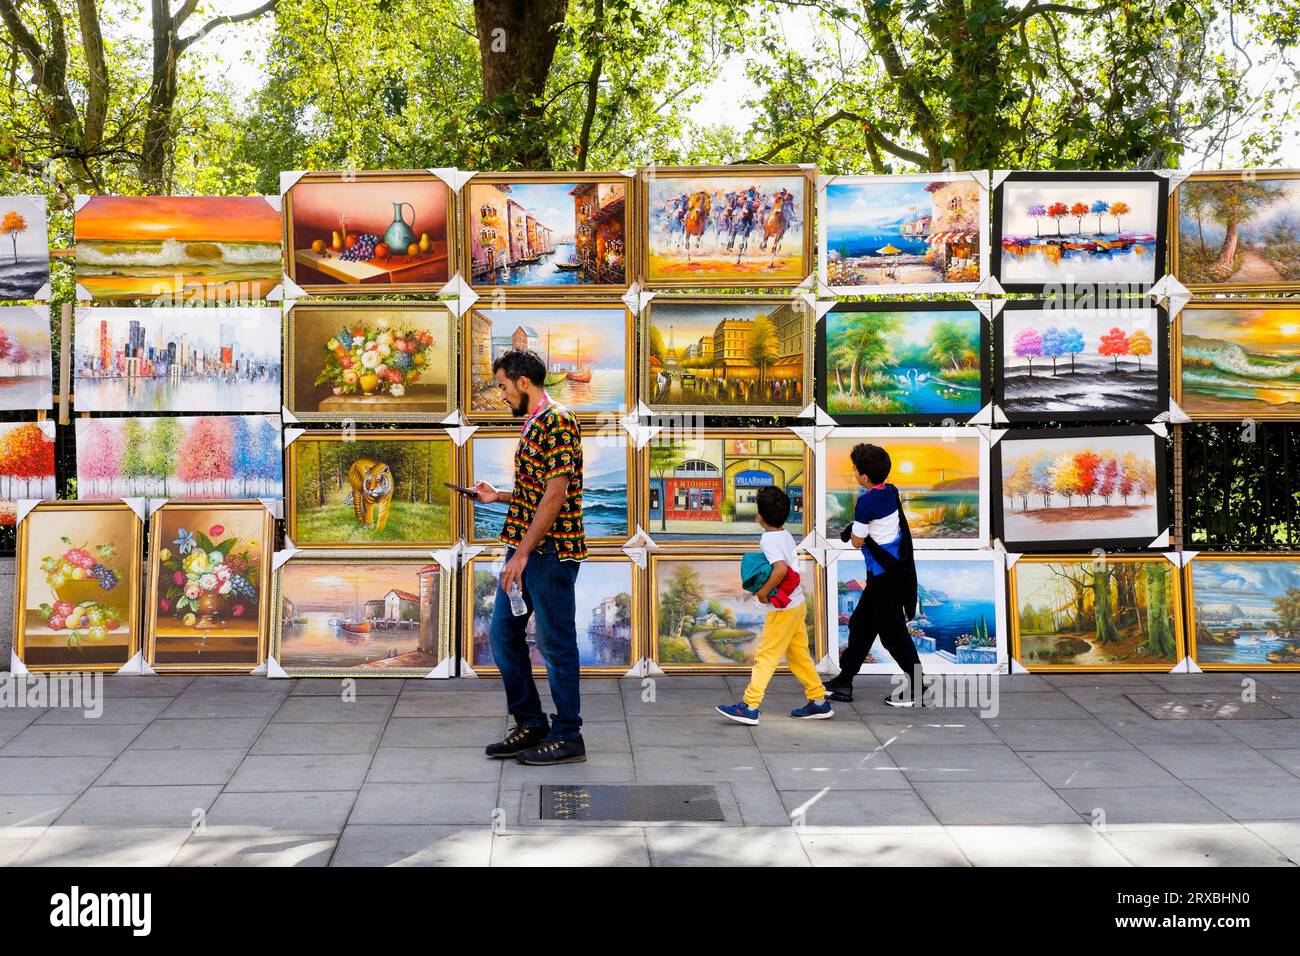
1244, 611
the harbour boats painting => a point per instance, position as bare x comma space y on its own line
25, 258
1244, 611
1238, 230
1238, 360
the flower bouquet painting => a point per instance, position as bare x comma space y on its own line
209, 585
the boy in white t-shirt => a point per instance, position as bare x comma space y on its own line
784, 630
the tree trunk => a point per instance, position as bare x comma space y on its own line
1228, 251
156, 147
1105, 629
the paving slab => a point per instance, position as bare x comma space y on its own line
839, 770
433, 765
227, 703
1166, 805
139, 807
585, 849
1214, 762
725, 846
1164, 706
320, 710
1065, 844
443, 731
1243, 800
959, 762
929, 727
49, 774
299, 772
1201, 846
200, 733
293, 811
360, 686
319, 738
856, 809
884, 846
142, 768
116, 710
28, 814
429, 803
72, 740
80, 846
995, 802
1096, 769
413, 845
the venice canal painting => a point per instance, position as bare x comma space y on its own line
1245, 611
1240, 360
1235, 231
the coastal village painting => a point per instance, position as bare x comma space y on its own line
1245, 610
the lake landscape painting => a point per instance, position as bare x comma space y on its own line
1238, 230
1244, 611
1239, 359
25, 258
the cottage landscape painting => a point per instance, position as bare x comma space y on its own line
1238, 231
1239, 360
1245, 610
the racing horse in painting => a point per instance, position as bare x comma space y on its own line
696, 221
744, 216
777, 220
674, 217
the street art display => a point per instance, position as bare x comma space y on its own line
1238, 359
1083, 613
608, 511
910, 233
542, 231
361, 614
1238, 231
212, 456
26, 360
77, 596
607, 602
177, 360
702, 619
903, 362
26, 465
942, 476
726, 226
1079, 229
703, 487
587, 348
960, 623
1071, 364
746, 355
370, 361
380, 488
1080, 488
208, 606
368, 232
1243, 611
25, 262
179, 248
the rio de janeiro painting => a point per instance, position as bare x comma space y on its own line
1244, 611
1238, 230
1238, 359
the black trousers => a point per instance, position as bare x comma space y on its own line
879, 614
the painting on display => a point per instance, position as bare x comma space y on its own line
607, 502
905, 362
378, 488
370, 362
1080, 229
960, 623
177, 360
211, 456
26, 360
1244, 611
942, 476
703, 486
359, 614
726, 356
1067, 364
209, 577
1071, 612
26, 465
587, 348
606, 605
910, 233
1238, 231
369, 232
77, 598
1080, 488
542, 231
25, 262
702, 619
726, 226
1238, 359
222, 248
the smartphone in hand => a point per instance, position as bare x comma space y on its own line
467, 492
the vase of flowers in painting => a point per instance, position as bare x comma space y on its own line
208, 578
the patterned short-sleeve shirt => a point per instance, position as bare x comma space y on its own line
551, 445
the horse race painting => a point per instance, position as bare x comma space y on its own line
910, 233
1079, 613
25, 258
1238, 359
1079, 229
1244, 611
726, 226
1238, 231
905, 362
1080, 488
1059, 364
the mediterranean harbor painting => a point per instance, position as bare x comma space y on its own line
1245, 610
1239, 359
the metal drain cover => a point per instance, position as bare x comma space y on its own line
629, 803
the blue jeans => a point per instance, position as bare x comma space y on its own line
548, 591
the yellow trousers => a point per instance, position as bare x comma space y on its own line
784, 636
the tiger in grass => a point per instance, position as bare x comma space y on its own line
372, 492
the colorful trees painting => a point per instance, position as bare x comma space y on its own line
25, 359
1237, 231
25, 264
26, 465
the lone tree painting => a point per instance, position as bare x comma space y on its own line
25, 263
1238, 231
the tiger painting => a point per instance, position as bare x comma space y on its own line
372, 492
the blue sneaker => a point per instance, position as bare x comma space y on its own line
814, 710
739, 712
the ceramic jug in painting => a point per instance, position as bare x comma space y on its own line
400, 236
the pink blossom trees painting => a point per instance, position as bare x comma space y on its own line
212, 456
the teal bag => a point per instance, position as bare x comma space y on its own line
755, 569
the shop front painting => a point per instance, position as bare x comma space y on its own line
547, 231
208, 248
727, 226
911, 233
349, 614
1238, 360
78, 586
1238, 231
942, 476
605, 608
1244, 611
587, 349
25, 262
208, 586
704, 488
26, 465
370, 362
1082, 613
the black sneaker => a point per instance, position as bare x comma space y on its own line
551, 751
899, 701
842, 694
519, 739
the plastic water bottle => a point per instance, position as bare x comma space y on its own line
517, 606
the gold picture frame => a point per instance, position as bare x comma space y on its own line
443, 639
1193, 645
130, 551
159, 541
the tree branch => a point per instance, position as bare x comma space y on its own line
593, 83
92, 40
876, 138
201, 32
